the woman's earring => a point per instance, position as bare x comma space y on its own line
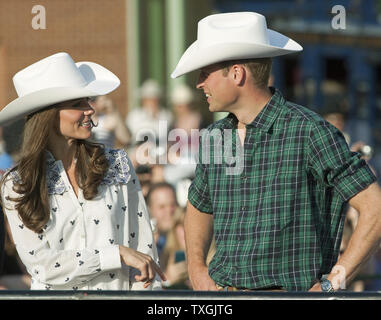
93, 124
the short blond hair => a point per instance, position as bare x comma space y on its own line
260, 69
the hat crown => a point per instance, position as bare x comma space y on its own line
182, 94
150, 89
233, 27
58, 70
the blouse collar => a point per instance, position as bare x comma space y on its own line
118, 172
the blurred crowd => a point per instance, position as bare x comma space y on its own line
162, 143
369, 279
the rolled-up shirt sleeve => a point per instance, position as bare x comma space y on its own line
334, 164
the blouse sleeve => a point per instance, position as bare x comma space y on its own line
140, 228
49, 265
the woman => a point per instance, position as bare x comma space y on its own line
75, 209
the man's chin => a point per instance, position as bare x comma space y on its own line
212, 108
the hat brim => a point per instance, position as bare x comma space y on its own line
197, 56
99, 80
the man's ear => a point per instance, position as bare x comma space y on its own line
238, 74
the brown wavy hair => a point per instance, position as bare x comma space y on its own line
32, 203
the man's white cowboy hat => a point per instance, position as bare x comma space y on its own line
231, 36
55, 79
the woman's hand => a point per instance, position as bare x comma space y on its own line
142, 262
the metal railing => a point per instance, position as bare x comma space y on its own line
183, 295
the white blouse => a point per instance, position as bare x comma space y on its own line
79, 247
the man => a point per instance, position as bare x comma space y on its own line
278, 221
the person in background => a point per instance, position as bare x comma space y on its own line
14, 275
2, 241
149, 171
187, 122
110, 129
182, 153
11, 142
186, 116
173, 256
6, 161
162, 205
145, 119
335, 112
75, 209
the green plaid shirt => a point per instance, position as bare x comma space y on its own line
278, 219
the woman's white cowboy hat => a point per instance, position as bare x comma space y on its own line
55, 79
230, 36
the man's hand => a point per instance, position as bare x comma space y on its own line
316, 288
200, 279
364, 240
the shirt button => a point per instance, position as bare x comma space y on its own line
243, 208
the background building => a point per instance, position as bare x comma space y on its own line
136, 39
90, 30
141, 39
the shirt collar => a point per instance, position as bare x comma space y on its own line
117, 173
270, 111
266, 117
50, 158
55, 183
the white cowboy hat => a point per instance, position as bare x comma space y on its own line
150, 89
55, 79
181, 94
231, 36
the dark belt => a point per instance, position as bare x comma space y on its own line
229, 288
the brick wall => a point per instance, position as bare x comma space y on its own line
89, 30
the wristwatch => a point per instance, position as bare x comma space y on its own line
326, 285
